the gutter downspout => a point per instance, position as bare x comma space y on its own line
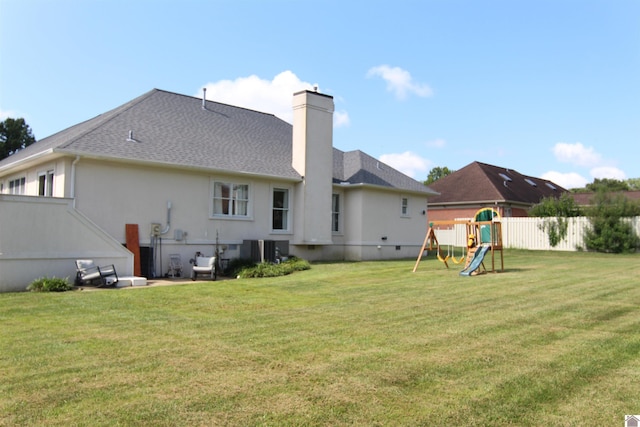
73, 180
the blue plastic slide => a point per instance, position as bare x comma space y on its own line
478, 257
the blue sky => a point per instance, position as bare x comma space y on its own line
550, 88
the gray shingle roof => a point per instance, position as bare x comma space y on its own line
173, 129
356, 167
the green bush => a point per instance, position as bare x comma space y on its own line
563, 206
608, 231
556, 211
50, 284
267, 269
236, 265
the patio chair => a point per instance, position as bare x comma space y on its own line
203, 265
175, 266
89, 274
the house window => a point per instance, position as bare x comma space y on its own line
280, 211
45, 183
17, 186
405, 207
230, 199
335, 213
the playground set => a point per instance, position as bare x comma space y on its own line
483, 235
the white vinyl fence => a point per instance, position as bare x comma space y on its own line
527, 233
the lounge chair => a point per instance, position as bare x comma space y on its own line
175, 265
89, 274
204, 266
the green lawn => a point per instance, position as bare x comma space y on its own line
554, 340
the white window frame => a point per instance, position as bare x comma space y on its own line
404, 206
231, 199
336, 214
18, 185
286, 210
45, 183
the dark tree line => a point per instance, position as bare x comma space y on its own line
15, 134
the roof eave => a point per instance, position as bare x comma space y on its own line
25, 161
187, 167
479, 202
360, 185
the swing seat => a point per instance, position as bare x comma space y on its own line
459, 260
441, 259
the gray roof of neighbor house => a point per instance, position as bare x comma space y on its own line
170, 129
480, 182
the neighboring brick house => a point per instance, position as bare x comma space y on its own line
479, 185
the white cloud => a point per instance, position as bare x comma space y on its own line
341, 118
5, 114
268, 96
566, 180
399, 81
437, 143
581, 156
408, 163
602, 172
576, 154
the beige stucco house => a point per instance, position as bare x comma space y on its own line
193, 175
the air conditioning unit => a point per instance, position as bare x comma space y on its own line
259, 250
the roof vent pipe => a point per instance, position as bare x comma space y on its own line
130, 138
204, 98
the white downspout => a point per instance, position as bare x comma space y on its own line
73, 180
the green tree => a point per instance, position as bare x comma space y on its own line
607, 185
564, 206
437, 173
556, 211
15, 134
608, 231
633, 183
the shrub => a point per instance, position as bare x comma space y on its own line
555, 211
563, 206
608, 231
236, 265
49, 284
267, 269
